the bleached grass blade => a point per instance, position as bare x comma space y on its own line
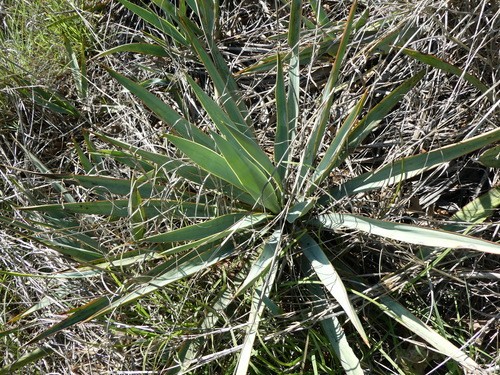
406, 233
331, 280
406, 168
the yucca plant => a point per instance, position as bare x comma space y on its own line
218, 196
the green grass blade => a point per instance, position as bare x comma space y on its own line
153, 19
319, 129
407, 233
331, 280
337, 146
136, 213
320, 14
222, 224
164, 111
406, 168
449, 68
84, 161
143, 48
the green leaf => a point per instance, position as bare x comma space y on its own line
174, 270
164, 111
219, 225
449, 68
143, 48
406, 233
331, 280
119, 208
283, 134
256, 183
336, 335
371, 120
399, 313
261, 293
153, 19
409, 167
491, 157
300, 209
323, 114
232, 133
260, 189
263, 262
137, 213
225, 86
338, 145
476, 211
26, 359
112, 185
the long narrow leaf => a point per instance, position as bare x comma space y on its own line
337, 146
164, 111
260, 295
283, 135
232, 133
319, 129
155, 20
406, 168
406, 233
250, 175
118, 208
331, 280
449, 68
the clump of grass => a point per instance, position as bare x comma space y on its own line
292, 226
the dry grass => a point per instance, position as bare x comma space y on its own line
460, 293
